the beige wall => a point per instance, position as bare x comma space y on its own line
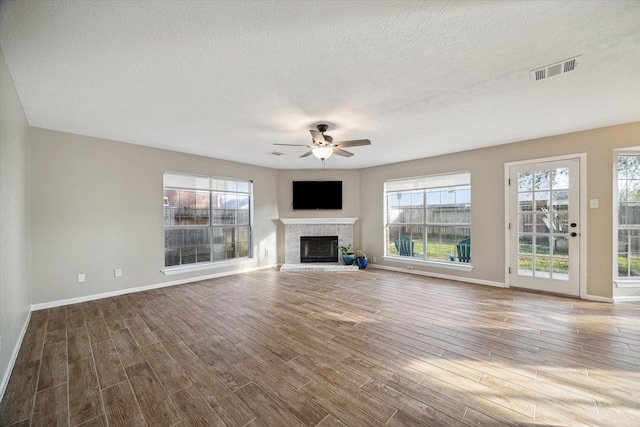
487, 192
15, 232
97, 206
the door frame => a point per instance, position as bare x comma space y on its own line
582, 166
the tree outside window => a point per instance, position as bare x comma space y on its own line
628, 250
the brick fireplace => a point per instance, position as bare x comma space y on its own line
294, 228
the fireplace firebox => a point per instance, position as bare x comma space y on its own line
318, 249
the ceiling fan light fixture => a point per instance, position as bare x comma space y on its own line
323, 146
322, 153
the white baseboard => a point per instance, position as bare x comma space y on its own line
631, 298
439, 275
85, 298
597, 298
14, 356
496, 284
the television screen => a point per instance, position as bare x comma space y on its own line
317, 195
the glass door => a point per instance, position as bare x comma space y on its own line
544, 229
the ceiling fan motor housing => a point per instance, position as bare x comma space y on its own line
322, 128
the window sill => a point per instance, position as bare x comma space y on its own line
427, 263
628, 283
170, 271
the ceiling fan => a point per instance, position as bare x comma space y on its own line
323, 146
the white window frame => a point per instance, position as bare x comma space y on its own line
621, 282
211, 185
427, 182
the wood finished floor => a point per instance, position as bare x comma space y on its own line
368, 348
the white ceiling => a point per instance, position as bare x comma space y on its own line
229, 79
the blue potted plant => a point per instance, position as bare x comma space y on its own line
361, 259
347, 256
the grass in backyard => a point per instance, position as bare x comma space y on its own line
435, 251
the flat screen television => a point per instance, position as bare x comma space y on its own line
314, 195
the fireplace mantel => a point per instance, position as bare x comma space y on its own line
314, 221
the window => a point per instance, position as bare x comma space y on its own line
206, 219
431, 214
628, 250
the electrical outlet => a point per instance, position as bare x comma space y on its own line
81, 277
117, 272
374, 260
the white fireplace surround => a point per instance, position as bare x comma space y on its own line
296, 227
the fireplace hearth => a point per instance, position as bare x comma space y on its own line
318, 249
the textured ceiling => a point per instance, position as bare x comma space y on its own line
229, 79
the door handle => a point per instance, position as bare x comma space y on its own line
573, 225
574, 234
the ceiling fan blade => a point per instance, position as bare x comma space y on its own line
293, 145
352, 143
340, 152
318, 138
308, 153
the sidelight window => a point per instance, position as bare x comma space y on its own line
628, 218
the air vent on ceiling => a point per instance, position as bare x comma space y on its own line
555, 69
